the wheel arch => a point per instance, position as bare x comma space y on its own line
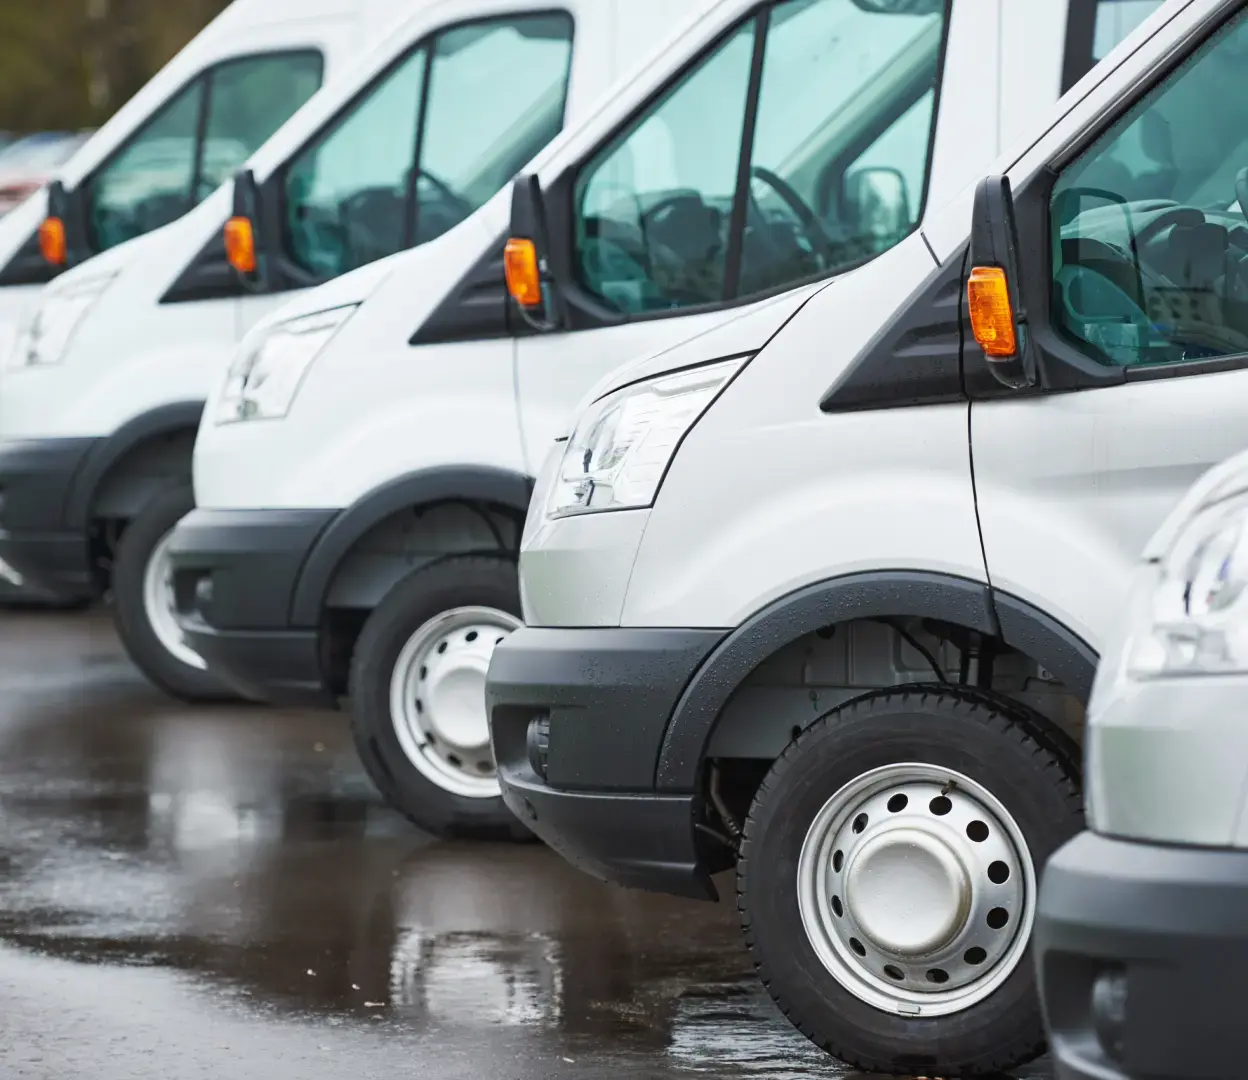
120, 447
954, 600
486, 484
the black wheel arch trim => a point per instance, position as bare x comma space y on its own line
177, 416
501, 487
873, 594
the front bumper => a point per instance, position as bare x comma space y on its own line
1171, 924
235, 573
36, 537
598, 702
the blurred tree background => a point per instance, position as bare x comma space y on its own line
68, 64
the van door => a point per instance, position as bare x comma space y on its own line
1144, 313
798, 145
433, 137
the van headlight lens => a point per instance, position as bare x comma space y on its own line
1196, 622
45, 333
622, 444
265, 375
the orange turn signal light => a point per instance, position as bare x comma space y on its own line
240, 245
992, 314
52, 241
520, 267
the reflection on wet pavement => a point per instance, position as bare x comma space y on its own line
217, 892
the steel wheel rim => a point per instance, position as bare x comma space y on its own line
917, 907
437, 699
161, 609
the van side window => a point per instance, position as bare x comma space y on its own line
193, 144
1094, 27
740, 181
1150, 245
429, 142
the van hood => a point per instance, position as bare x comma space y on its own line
745, 331
1221, 482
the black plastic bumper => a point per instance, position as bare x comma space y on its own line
235, 573
601, 700
36, 539
1159, 935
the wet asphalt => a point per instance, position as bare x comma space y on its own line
218, 893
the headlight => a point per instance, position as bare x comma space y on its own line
622, 444
264, 377
1197, 620
46, 332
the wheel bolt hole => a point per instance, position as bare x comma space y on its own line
423, 671
860, 822
938, 975
454, 760
857, 946
420, 708
975, 955
470, 636
837, 906
894, 972
838, 860
977, 831
998, 917
940, 806
999, 873
442, 648
485, 767
897, 804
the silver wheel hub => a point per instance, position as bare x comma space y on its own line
916, 890
437, 699
161, 609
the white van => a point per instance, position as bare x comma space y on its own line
363, 472
197, 120
103, 391
820, 595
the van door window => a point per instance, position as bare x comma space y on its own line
200, 137
439, 134
1094, 27
696, 204
1150, 245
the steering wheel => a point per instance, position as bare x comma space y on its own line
812, 228
460, 204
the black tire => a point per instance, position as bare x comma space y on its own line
1013, 752
459, 581
142, 535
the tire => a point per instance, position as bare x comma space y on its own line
153, 656
427, 782
855, 759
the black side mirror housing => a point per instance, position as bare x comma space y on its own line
529, 239
994, 244
69, 207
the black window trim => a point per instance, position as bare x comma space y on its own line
1074, 368
595, 313
294, 275
206, 75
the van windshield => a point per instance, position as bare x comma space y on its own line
740, 180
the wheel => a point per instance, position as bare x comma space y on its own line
143, 607
418, 695
887, 878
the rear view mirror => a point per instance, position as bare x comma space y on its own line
998, 321
875, 203
241, 248
525, 260
63, 233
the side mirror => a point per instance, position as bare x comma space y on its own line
63, 232
998, 320
526, 264
242, 229
875, 202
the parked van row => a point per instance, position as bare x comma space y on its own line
849, 452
